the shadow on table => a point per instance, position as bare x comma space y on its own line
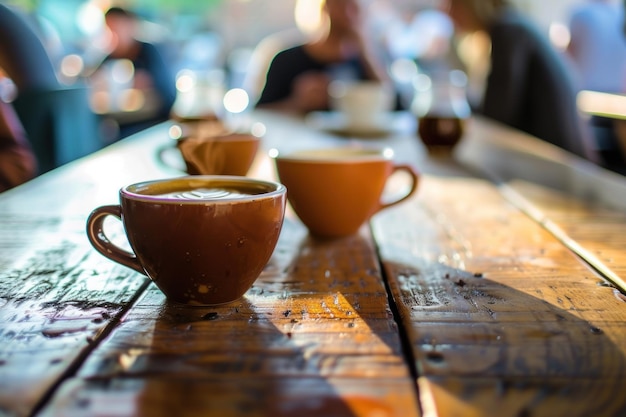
484, 348
232, 360
173, 360
313, 337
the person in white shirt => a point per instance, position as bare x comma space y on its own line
597, 52
597, 46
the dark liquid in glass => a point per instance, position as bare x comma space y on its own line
436, 131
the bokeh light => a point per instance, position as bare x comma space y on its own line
560, 35
90, 19
403, 70
258, 129
72, 65
123, 71
236, 100
273, 153
185, 81
131, 99
307, 14
175, 132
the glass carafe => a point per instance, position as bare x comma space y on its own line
441, 108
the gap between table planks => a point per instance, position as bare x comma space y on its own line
502, 318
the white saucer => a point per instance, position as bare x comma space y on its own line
335, 122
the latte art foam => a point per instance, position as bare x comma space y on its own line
205, 194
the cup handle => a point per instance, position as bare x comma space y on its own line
414, 183
99, 240
161, 157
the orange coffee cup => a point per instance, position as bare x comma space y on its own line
334, 191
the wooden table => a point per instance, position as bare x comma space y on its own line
490, 293
610, 107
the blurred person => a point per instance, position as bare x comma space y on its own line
263, 54
425, 37
298, 77
17, 160
597, 50
56, 118
528, 86
597, 46
151, 73
23, 61
23, 56
422, 37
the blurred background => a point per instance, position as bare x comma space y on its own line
207, 35
218, 50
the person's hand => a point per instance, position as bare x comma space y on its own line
310, 92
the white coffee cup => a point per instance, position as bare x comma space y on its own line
364, 104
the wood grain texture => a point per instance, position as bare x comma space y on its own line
500, 317
318, 312
506, 155
58, 297
579, 202
486, 293
598, 232
515, 397
314, 336
223, 396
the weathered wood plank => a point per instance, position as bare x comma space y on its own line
501, 317
486, 397
505, 155
576, 200
486, 292
598, 230
231, 397
318, 315
57, 295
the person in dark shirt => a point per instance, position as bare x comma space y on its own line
529, 86
151, 73
298, 78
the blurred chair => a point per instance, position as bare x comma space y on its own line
60, 125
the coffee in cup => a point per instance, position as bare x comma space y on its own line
201, 239
336, 190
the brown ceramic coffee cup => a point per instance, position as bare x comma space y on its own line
336, 190
201, 239
221, 153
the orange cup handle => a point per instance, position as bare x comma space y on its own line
414, 183
99, 240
